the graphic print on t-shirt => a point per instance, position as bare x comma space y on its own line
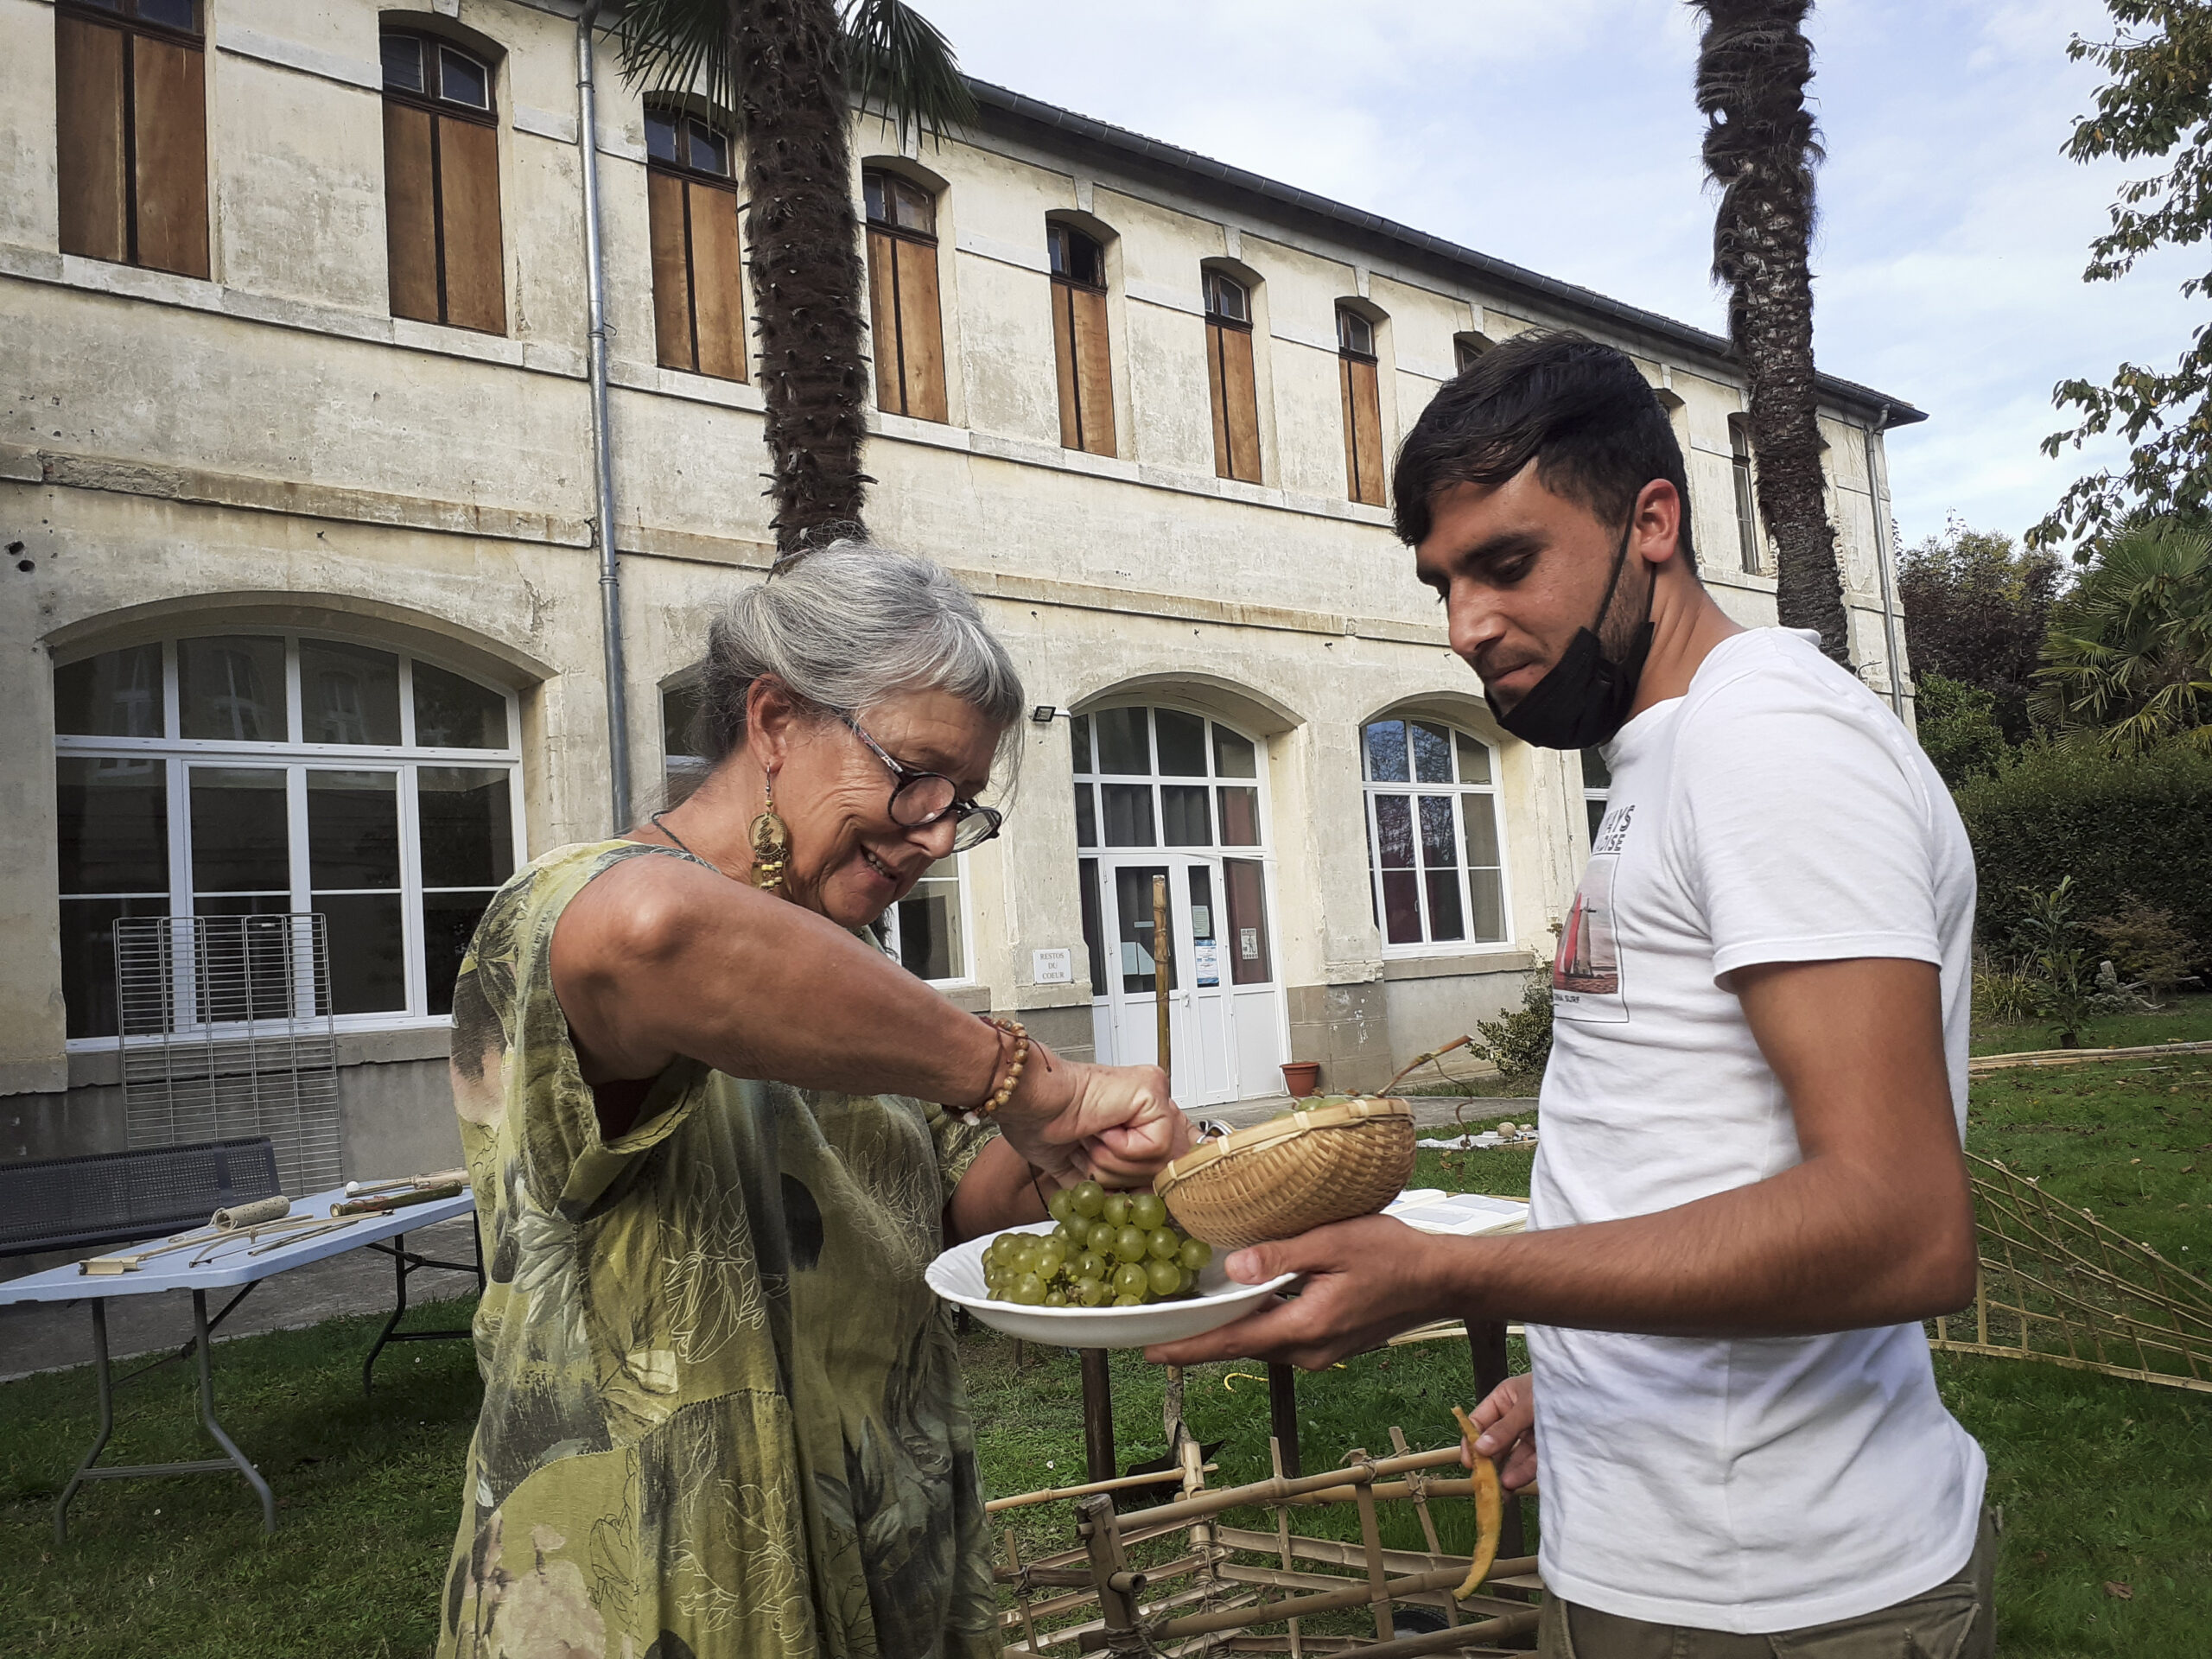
1587, 971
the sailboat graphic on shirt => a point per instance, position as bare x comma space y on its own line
1587, 971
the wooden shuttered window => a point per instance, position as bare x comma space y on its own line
691, 208
442, 186
1230, 380
1079, 342
1359, 381
131, 136
904, 312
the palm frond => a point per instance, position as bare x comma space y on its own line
672, 46
904, 69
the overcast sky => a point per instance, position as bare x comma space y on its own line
1561, 134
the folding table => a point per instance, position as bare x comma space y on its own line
238, 1264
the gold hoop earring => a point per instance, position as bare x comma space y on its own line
772, 845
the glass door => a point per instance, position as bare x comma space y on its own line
1161, 793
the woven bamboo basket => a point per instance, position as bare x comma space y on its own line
1339, 1159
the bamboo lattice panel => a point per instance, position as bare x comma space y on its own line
2058, 1285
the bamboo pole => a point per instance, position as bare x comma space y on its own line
1047, 1495
1282, 1537
1359, 1593
1020, 1589
1276, 1491
1371, 1541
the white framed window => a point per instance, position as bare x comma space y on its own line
1596, 785
1434, 854
260, 773
1162, 777
927, 929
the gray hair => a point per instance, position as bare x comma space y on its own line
848, 626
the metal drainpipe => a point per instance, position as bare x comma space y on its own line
1882, 564
610, 570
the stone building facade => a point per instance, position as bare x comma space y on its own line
303, 609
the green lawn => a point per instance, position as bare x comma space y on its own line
2100, 1481
2185, 1019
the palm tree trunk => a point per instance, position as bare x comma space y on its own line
1760, 148
804, 263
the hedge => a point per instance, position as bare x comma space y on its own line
2134, 824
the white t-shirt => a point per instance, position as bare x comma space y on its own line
1778, 813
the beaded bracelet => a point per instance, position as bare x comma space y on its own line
1004, 1092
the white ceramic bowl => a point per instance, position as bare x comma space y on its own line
957, 1275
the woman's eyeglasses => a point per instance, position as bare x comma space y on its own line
919, 799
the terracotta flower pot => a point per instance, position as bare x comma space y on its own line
1301, 1077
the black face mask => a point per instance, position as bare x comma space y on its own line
1584, 700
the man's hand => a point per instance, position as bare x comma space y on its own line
1115, 1124
1365, 1280
1507, 1418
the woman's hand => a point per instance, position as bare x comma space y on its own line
1115, 1124
1508, 1421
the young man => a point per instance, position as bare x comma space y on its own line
1750, 1189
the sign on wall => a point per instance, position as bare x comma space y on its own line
1052, 967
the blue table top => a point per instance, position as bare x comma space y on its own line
229, 1262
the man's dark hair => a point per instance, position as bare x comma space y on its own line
1582, 411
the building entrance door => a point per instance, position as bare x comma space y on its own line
1227, 1026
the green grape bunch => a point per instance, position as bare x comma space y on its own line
1106, 1249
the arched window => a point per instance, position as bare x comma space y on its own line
1356, 378
442, 184
1164, 778
691, 209
1467, 347
130, 151
1747, 510
904, 310
262, 773
1230, 379
1079, 342
1432, 843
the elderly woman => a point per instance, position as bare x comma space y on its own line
723, 1412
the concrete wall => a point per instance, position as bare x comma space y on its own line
271, 447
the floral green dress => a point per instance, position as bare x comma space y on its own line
723, 1412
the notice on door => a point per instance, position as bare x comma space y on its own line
1248, 944
1208, 956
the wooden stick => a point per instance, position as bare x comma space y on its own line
442, 1177
1163, 970
128, 1261
1266, 1612
1417, 1489
1021, 1590
383, 1203
1276, 1491
1117, 1601
1370, 1542
1194, 1480
299, 1237
1048, 1494
1282, 1538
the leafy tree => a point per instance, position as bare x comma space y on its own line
1976, 610
1957, 727
2147, 945
2158, 105
1760, 149
787, 70
2129, 653
2052, 953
